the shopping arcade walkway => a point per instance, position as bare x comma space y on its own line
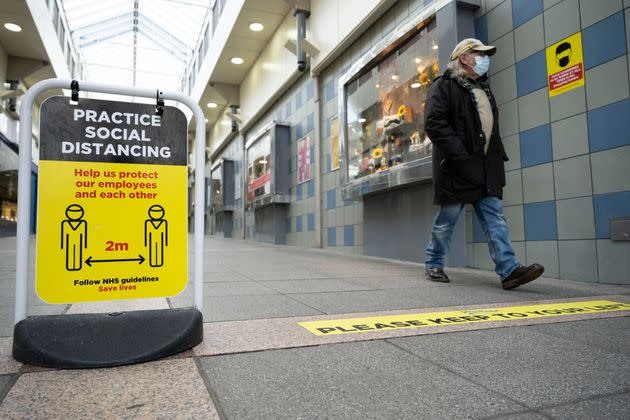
260, 370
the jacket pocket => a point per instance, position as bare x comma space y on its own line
468, 173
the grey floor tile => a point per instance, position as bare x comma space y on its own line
5, 381
611, 334
533, 368
610, 407
349, 381
233, 308
237, 289
314, 285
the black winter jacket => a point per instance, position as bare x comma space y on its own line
461, 171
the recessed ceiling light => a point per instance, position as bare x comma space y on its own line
435, 47
236, 60
206, 119
256, 27
416, 85
362, 120
13, 27
212, 105
418, 60
394, 77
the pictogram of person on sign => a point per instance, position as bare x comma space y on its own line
156, 235
74, 237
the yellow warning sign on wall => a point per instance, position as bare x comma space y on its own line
432, 319
565, 65
112, 207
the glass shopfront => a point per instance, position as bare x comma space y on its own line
259, 168
215, 186
8, 183
383, 104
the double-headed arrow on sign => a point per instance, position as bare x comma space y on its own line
90, 261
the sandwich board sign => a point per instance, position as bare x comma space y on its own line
112, 207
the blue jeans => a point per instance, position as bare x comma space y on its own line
495, 230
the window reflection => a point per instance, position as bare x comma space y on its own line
386, 107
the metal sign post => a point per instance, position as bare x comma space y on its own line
98, 340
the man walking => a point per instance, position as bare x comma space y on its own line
461, 119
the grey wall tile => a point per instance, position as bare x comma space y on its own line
508, 118
504, 85
548, 3
529, 38
626, 3
578, 260
513, 150
594, 11
538, 183
504, 56
607, 83
469, 228
533, 109
470, 255
482, 257
516, 222
610, 170
573, 177
575, 218
519, 251
513, 191
545, 253
499, 20
491, 4
561, 20
479, 12
568, 104
569, 137
613, 261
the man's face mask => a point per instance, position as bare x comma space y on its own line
482, 64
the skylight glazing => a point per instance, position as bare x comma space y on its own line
142, 43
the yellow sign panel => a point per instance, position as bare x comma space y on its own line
565, 65
111, 225
432, 319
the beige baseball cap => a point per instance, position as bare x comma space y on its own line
472, 44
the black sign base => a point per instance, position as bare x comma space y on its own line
105, 340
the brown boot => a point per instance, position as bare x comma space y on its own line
522, 275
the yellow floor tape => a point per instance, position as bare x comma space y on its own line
428, 319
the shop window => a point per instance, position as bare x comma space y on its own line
383, 106
215, 186
259, 168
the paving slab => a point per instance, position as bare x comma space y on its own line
610, 407
164, 389
533, 368
231, 308
265, 334
7, 363
314, 286
611, 334
349, 381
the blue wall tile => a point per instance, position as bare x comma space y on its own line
531, 73
327, 128
310, 122
298, 223
298, 100
524, 10
289, 224
330, 90
478, 235
481, 29
288, 109
331, 199
608, 206
328, 163
311, 222
536, 146
347, 203
332, 236
312, 157
309, 90
310, 188
609, 126
348, 235
298, 192
298, 131
540, 221
604, 40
